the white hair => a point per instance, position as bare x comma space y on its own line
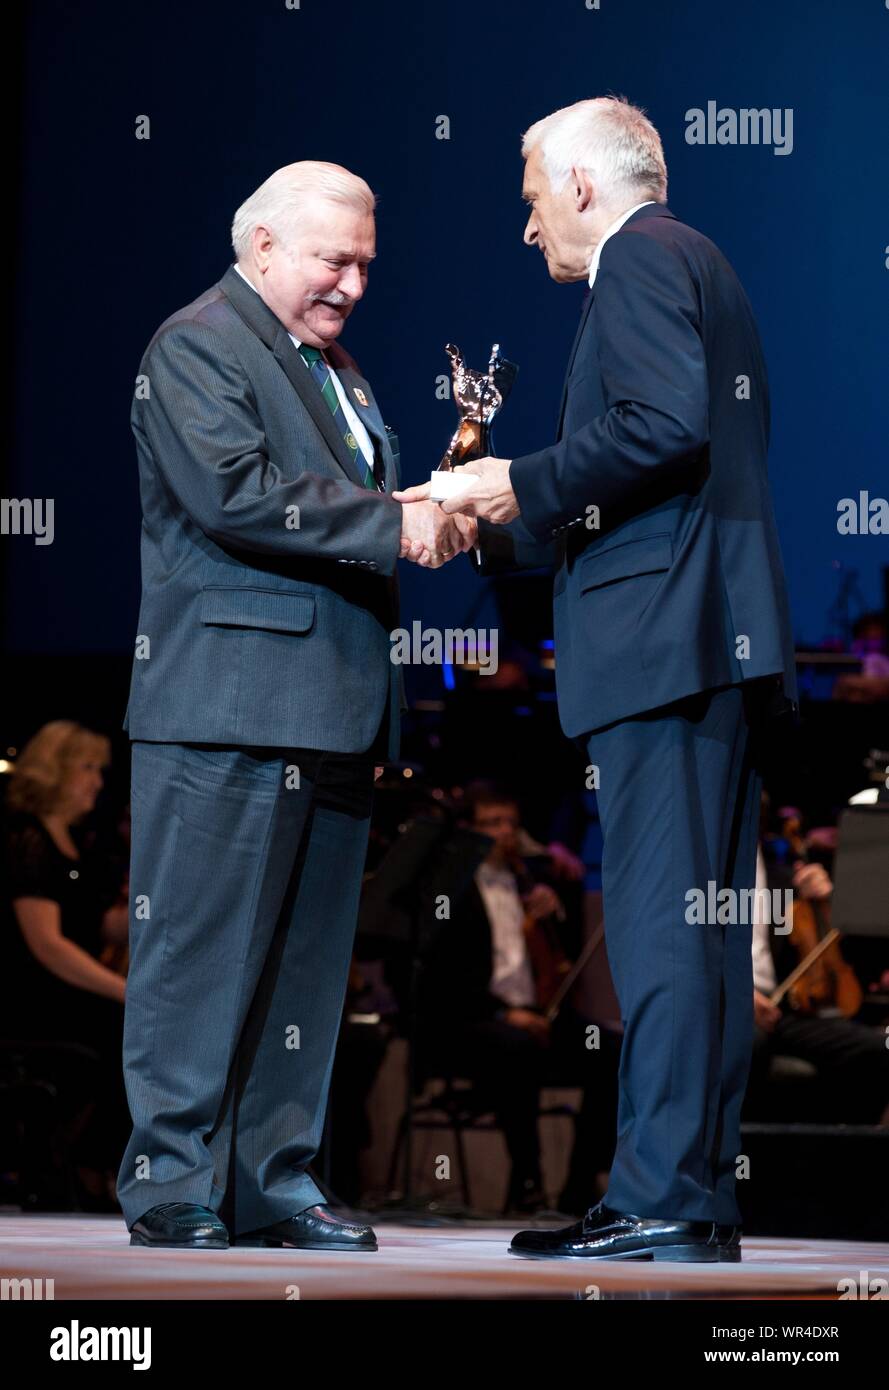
614, 142
284, 198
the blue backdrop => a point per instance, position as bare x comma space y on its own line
115, 233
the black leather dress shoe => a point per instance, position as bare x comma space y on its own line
728, 1243
316, 1228
182, 1225
605, 1234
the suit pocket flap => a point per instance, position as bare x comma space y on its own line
645, 555
267, 608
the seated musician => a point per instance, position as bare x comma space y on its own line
816, 1020
64, 948
489, 978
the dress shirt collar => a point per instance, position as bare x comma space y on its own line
615, 227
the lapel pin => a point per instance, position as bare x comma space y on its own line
359, 395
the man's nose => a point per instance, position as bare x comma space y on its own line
350, 283
530, 231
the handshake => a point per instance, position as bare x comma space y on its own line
429, 536
433, 532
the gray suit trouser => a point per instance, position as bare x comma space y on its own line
245, 876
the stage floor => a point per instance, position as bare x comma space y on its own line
89, 1257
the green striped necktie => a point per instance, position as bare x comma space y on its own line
321, 372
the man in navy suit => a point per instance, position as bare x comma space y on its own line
672, 642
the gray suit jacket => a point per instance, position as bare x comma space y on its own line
268, 571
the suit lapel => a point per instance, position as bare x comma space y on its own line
650, 210
252, 308
303, 382
365, 407
584, 315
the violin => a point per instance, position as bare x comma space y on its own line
822, 979
549, 963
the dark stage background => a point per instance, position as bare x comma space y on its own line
114, 233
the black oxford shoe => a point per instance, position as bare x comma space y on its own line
182, 1225
728, 1243
605, 1234
316, 1228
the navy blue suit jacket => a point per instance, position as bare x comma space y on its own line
675, 583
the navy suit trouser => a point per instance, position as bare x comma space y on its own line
679, 802
245, 877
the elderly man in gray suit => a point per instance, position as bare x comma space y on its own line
262, 698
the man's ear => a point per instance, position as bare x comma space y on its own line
262, 245
582, 186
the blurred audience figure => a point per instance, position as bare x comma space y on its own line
489, 978
870, 641
64, 953
850, 1057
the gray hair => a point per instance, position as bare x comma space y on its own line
613, 141
283, 199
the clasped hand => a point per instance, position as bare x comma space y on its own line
429, 536
489, 495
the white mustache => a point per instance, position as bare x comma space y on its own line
336, 299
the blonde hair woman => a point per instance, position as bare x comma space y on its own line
66, 902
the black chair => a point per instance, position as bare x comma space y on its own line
460, 1107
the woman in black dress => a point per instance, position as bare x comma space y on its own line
64, 947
